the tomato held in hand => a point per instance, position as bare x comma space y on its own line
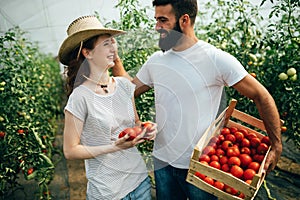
138, 130
147, 125
130, 131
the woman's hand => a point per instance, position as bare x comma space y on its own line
124, 143
151, 130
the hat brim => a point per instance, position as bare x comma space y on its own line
71, 42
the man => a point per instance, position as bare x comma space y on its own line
188, 77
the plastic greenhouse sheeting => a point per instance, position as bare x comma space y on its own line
46, 21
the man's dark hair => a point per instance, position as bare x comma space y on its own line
180, 7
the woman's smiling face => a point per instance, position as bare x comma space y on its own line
103, 53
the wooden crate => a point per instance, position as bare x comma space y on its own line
223, 120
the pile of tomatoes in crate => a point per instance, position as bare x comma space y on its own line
236, 151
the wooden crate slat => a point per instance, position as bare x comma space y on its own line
249, 119
201, 184
221, 176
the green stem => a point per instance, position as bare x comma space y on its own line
268, 191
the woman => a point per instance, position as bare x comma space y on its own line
98, 109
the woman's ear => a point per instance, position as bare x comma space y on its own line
85, 53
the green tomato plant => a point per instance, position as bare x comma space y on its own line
30, 92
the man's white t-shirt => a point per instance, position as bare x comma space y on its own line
188, 87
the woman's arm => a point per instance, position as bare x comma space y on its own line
74, 150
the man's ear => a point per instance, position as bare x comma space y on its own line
185, 21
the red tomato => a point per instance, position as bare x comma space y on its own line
248, 181
283, 129
219, 185
209, 180
21, 131
2, 134
137, 130
230, 137
253, 151
255, 142
225, 131
234, 161
262, 148
239, 136
245, 150
201, 176
245, 143
214, 145
205, 158
225, 168
258, 157
215, 164
245, 160
204, 162
266, 140
221, 138
214, 158
130, 132
244, 131
249, 174
241, 195
233, 129
226, 144
237, 171
220, 152
230, 190
147, 125
251, 135
209, 150
223, 160
254, 165
214, 140
29, 171
232, 151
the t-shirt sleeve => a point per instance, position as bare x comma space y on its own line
144, 75
129, 86
230, 68
76, 105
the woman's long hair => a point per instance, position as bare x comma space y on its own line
78, 66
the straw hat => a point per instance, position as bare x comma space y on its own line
80, 30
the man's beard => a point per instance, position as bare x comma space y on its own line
171, 39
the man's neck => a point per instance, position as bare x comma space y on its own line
186, 42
